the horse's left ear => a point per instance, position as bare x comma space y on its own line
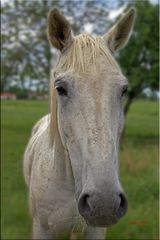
59, 30
117, 37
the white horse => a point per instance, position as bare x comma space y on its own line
71, 161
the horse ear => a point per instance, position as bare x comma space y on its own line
117, 37
59, 30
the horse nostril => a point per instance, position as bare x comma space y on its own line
83, 204
122, 200
122, 206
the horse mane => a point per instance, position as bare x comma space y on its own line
83, 52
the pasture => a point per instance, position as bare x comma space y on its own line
138, 170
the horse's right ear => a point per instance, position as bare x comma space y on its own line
59, 30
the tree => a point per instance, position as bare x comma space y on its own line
26, 54
139, 60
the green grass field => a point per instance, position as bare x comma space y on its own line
138, 170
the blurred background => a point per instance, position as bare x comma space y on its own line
27, 59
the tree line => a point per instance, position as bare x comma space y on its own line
27, 56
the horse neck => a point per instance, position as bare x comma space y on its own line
62, 164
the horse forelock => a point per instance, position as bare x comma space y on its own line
83, 52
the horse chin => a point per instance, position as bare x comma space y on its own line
101, 222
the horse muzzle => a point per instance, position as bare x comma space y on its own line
101, 210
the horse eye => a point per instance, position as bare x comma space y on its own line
61, 91
124, 90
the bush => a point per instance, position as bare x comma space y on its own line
22, 94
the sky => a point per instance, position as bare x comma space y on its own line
116, 12
152, 1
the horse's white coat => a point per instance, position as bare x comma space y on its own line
83, 153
